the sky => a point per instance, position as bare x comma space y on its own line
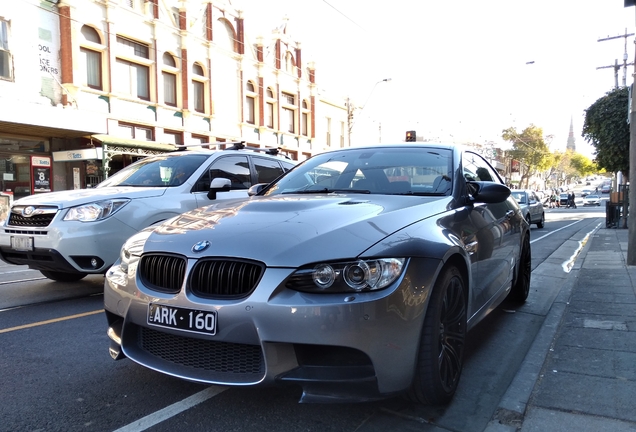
460, 71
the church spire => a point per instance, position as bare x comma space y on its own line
571, 145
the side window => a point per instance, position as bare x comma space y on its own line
234, 168
477, 169
267, 170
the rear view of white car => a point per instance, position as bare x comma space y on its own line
69, 234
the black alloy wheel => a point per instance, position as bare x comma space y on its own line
521, 288
441, 351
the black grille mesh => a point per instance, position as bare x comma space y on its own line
164, 273
39, 221
222, 278
239, 362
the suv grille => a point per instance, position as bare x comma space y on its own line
37, 220
221, 278
164, 273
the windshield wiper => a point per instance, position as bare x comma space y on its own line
419, 193
327, 190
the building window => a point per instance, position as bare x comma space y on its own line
198, 88
173, 137
289, 63
137, 132
289, 112
269, 109
133, 71
342, 134
6, 67
250, 103
169, 75
91, 50
203, 141
328, 137
304, 120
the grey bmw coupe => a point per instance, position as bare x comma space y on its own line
356, 275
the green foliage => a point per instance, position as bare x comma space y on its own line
583, 165
606, 128
530, 149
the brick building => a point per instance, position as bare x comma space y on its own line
127, 78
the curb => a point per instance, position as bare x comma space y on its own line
512, 408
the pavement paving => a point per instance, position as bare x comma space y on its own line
580, 373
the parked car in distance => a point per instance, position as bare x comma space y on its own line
69, 234
362, 282
586, 192
606, 188
563, 199
592, 200
531, 206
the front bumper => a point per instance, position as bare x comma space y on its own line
68, 246
336, 346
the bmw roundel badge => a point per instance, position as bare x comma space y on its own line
200, 246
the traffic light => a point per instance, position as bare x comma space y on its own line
410, 136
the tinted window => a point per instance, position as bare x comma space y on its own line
267, 170
477, 169
234, 168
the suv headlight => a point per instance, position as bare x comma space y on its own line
352, 276
95, 211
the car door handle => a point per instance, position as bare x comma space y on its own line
510, 214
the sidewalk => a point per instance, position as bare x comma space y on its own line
580, 374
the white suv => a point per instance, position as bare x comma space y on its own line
69, 234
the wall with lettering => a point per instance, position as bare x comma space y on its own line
48, 51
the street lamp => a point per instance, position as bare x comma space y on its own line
350, 108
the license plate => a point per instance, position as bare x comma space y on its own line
22, 243
192, 320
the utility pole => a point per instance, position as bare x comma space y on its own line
631, 196
615, 65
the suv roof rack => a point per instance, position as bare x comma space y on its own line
237, 145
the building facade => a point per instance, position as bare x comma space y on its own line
136, 77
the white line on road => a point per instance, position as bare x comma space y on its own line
556, 230
171, 410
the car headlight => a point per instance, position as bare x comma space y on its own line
351, 276
95, 211
132, 249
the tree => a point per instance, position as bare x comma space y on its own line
606, 128
583, 165
529, 148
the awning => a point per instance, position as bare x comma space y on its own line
110, 140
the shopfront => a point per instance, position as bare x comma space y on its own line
25, 166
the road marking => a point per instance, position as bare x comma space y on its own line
556, 230
171, 410
21, 280
41, 323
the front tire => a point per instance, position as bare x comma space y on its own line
441, 352
63, 276
541, 221
521, 287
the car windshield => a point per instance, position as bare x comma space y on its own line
157, 171
394, 171
591, 197
520, 197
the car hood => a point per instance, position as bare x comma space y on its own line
291, 230
72, 198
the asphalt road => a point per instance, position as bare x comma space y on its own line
57, 375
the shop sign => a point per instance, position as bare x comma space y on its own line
41, 174
78, 155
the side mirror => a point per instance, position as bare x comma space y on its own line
256, 189
218, 184
488, 192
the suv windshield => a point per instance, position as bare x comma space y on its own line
157, 171
395, 171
